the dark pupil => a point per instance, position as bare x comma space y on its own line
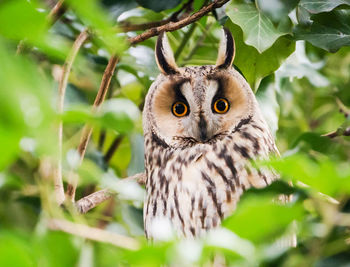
179, 108
221, 105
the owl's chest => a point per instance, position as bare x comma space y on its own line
194, 190
196, 187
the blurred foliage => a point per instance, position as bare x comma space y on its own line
294, 54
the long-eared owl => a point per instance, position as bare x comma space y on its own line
202, 127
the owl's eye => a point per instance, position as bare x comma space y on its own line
221, 106
179, 109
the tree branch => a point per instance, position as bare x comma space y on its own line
172, 26
89, 202
82, 37
102, 136
87, 130
95, 234
101, 94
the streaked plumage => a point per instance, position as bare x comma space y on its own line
197, 165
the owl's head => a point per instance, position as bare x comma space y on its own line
197, 104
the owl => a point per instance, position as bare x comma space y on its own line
202, 128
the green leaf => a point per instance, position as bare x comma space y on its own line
158, 6
97, 19
315, 141
24, 103
21, 20
329, 31
115, 114
137, 154
15, 251
298, 65
55, 249
141, 58
17, 27
320, 6
254, 65
122, 156
151, 255
323, 176
303, 16
277, 10
258, 30
260, 219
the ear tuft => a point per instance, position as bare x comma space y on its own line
164, 55
226, 50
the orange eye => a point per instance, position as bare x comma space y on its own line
179, 109
221, 106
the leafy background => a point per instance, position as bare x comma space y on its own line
293, 53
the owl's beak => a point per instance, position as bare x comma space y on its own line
202, 126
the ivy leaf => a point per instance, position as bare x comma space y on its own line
329, 31
255, 65
303, 16
277, 10
299, 65
320, 6
257, 28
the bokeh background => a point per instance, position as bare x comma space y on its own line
294, 54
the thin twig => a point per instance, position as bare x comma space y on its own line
87, 130
198, 43
106, 80
339, 132
172, 26
185, 40
101, 139
82, 37
95, 234
113, 147
57, 12
342, 108
102, 136
89, 202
